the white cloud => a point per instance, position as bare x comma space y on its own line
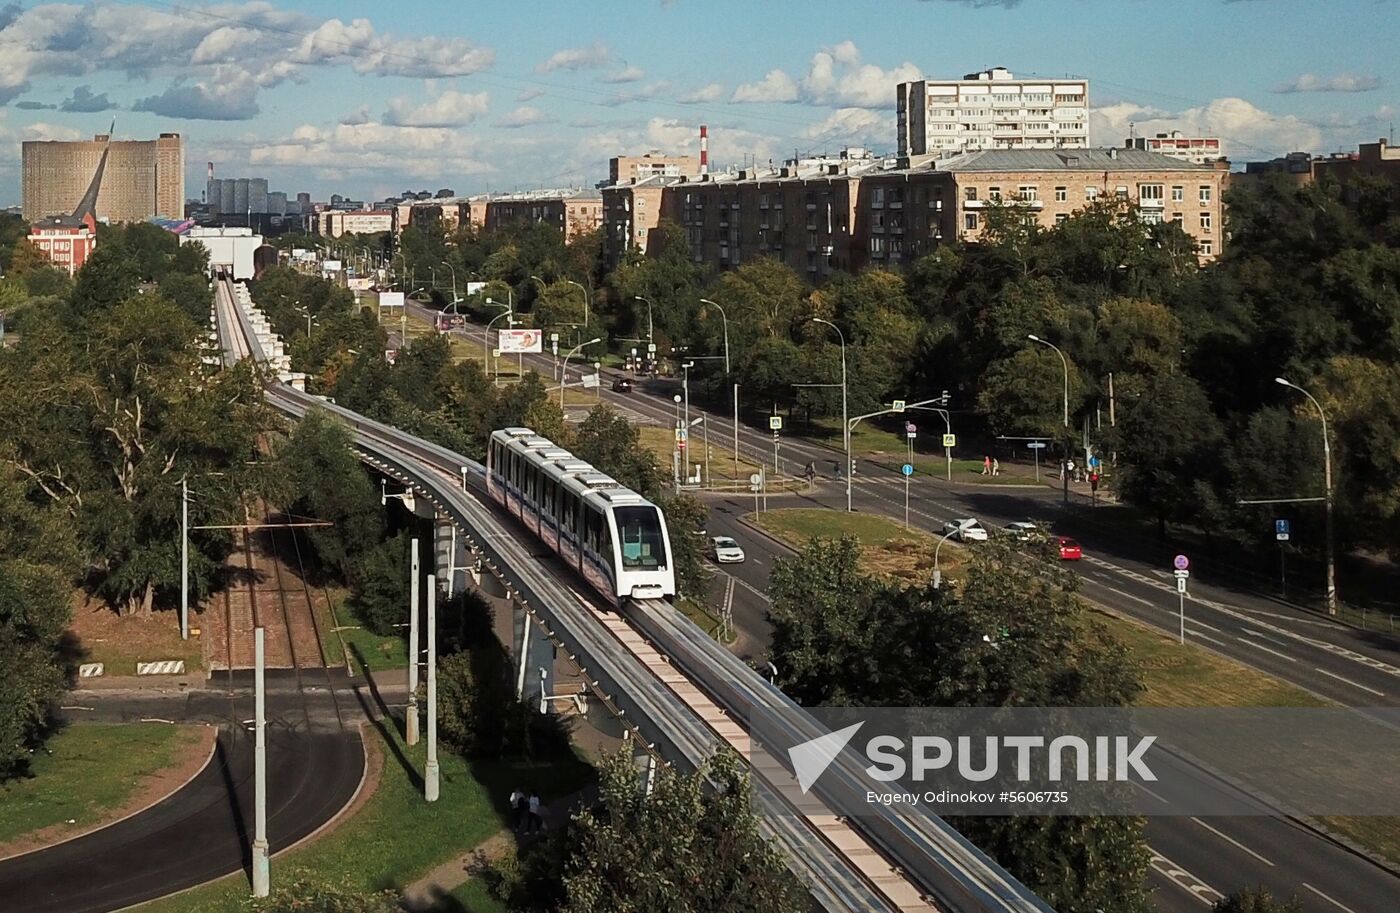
358, 116
1245, 131
450, 109
424, 153
703, 95
1342, 82
529, 94
593, 57
854, 126
626, 74
835, 77
230, 95
776, 86
524, 116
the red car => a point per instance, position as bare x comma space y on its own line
1069, 549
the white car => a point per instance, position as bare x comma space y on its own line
1021, 530
965, 529
726, 550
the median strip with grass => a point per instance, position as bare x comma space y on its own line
91, 774
887, 548
395, 837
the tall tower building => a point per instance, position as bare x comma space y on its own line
991, 110
141, 179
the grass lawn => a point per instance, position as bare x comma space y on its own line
886, 546
1189, 676
471, 897
120, 643
89, 773
662, 441
395, 837
702, 616
367, 649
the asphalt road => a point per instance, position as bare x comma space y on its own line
202, 832
1197, 859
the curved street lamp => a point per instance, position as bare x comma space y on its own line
845, 426
564, 374
1327, 481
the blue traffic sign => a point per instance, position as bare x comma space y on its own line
1282, 528
907, 469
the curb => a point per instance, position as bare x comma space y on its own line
213, 745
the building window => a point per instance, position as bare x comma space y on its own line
877, 197
1207, 247
970, 221
1121, 192
1205, 221
1061, 194
1028, 193
1178, 194
1150, 192
1091, 194
1205, 194
1061, 218
994, 193
970, 194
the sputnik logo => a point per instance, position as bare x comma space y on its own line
811, 758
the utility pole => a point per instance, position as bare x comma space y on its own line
184, 559
736, 432
262, 875
430, 773
410, 727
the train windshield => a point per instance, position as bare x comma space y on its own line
643, 546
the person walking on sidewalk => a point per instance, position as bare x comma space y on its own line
996, 467
518, 801
986, 465
534, 813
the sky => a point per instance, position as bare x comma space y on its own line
367, 99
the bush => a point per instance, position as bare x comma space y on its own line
379, 580
478, 715
306, 895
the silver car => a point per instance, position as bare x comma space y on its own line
726, 550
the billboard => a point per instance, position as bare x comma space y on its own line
330, 266
359, 284
474, 287
391, 299
527, 341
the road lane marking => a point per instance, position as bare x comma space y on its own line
1332, 900
1185, 880
1349, 682
1231, 840
1148, 603
1258, 646
1200, 635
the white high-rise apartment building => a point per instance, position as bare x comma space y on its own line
992, 110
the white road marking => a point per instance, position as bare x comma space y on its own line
1185, 880
1258, 646
1197, 621
1231, 840
1348, 681
1125, 595
1332, 900
1201, 635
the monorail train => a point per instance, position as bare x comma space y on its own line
614, 537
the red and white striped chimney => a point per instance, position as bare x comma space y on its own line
704, 149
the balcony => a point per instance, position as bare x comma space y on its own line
1145, 203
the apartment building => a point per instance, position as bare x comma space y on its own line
991, 110
1199, 150
573, 212
335, 222
1377, 160
906, 213
631, 212
142, 178
633, 168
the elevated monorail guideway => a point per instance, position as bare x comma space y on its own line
681, 695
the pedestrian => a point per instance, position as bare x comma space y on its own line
1073, 470
986, 465
534, 812
811, 473
836, 465
517, 808
996, 467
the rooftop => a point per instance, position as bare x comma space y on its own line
1101, 159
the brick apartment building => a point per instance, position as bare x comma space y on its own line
573, 212
823, 215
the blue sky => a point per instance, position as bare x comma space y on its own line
366, 99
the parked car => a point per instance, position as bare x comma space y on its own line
726, 550
1021, 530
622, 385
1069, 549
965, 529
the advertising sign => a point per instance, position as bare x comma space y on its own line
391, 299
474, 287
526, 341
330, 266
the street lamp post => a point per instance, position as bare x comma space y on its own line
650, 326
564, 374
1065, 364
584, 289
937, 574
676, 447
845, 429
486, 337
1327, 482
725, 321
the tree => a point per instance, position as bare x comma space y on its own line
378, 576
1169, 443
692, 844
1256, 900
613, 444
1024, 393
685, 518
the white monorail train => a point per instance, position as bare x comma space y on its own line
614, 537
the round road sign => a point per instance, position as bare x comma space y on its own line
907, 469
1181, 562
